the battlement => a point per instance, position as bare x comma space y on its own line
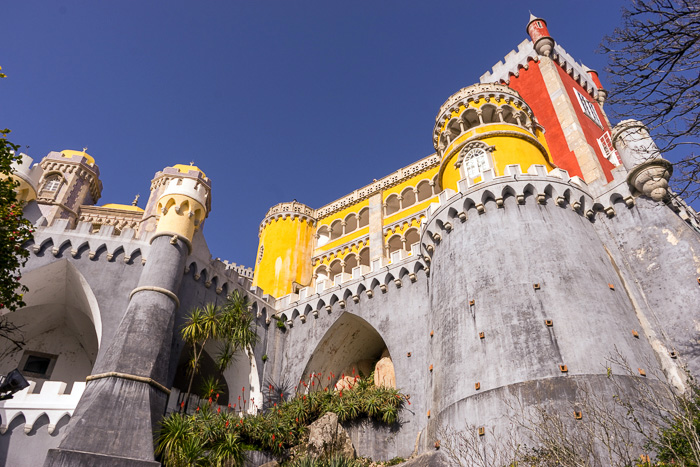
51, 401
520, 58
190, 187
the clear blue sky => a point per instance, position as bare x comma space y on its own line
274, 100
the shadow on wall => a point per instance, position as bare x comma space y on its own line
18, 449
351, 347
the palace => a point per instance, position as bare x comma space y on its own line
536, 242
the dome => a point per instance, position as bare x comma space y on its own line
69, 154
184, 168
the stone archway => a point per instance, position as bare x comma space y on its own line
61, 322
351, 346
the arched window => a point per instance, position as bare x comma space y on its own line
350, 223
323, 236
52, 183
408, 197
424, 190
395, 243
363, 218
336, 229
392, 204
412, 237
350, 263
364, 257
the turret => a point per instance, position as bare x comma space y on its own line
171, 188
27, 175
485, 128
286, 244
602, 94
649, 173
70, 179
537, 29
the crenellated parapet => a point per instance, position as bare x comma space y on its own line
61, 239
51, 401
519, 59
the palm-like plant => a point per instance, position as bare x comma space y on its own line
232, 325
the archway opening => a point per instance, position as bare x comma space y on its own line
351, 347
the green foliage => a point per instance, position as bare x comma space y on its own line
280, 427
332, 461
678, 443
230, 325
15, 230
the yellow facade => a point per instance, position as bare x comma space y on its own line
284, 255
180, 214
512, 145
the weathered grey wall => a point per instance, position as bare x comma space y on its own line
661, 255
400, 316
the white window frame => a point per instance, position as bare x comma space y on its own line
607, 148
588, 108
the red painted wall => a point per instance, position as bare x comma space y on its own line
530, 84
590, 129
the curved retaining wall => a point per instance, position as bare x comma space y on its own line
506, 272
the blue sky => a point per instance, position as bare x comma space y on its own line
274, 100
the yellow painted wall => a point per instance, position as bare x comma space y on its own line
509, 150
287, 246
181, 223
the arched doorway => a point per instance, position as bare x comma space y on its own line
351, 346
61, 327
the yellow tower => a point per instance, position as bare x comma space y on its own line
283, 264
189, 181
486, 127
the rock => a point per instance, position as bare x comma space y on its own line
384, 372
346, 382
327, 436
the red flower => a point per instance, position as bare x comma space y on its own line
197, 409
218, 410
229, 405
182, 404
304, 398
280, 444
273, 437
210, 400
340, 394
226, 423
243, 390
297, 419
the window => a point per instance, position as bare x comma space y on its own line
588, 108
37, 364
476, 161
606, 146
52, 183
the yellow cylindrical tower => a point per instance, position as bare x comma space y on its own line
286, 245
27, 176
182, 207
486, 127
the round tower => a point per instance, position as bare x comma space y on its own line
27, 175
486, 128
190, 181
283, 264
135, 365
527, 306
542, 41
649, 173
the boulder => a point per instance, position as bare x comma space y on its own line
384, 372
327, 436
